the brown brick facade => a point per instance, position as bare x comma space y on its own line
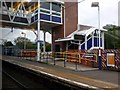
71, 22
71, 17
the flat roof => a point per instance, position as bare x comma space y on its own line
85, 32
65, 39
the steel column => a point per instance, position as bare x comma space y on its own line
38, 32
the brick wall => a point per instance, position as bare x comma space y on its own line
71, 22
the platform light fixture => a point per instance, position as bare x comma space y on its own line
96, 4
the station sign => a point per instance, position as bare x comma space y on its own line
89, 55
79, 37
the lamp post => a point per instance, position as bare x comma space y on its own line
24, 39
96, 4
38, 34
64, 22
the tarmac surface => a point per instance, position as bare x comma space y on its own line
91, 78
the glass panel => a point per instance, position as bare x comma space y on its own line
45, 5
44, 11
56, 7
56, 14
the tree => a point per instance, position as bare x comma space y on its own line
48, 46
112, 38
31, 45
8, 43
20, 43
21, 39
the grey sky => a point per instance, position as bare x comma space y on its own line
10, 36
108, 12
87, 15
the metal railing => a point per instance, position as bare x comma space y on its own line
63, 59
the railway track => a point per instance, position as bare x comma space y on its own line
15, 83
16, 78
23, 79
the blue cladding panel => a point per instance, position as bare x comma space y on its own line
45, 17
89, 43
4, 17
56, 19
101, 42
83, 47
42, 16
20, 19
36, 17
32, 19
96, 42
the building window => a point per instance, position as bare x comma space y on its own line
56, 7
44, 11
45, 5
56, 14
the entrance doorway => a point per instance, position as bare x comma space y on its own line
57, 48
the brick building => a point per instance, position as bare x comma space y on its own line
71, 22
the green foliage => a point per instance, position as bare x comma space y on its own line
20, 43
30, 45
21, 40
112, 37
8, 43
48, 46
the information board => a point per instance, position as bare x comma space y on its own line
111, 59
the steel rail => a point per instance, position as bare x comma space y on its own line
15, 80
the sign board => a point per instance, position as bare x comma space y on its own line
111, 59
78, 37
89, 55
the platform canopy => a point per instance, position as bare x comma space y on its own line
79, 34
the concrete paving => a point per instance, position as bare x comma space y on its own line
92, 78
73, 66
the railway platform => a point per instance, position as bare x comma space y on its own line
88, 79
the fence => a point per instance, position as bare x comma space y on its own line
63, 58
88, 58
76, 57
116, 52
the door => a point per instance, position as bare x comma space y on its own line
57, 48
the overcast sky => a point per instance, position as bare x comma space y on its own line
87, 15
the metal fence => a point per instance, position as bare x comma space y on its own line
88, 58
116, 52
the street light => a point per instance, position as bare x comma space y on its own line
24, 39
38, 34
96, 4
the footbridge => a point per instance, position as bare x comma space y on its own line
40, 15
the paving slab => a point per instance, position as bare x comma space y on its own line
97, 79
